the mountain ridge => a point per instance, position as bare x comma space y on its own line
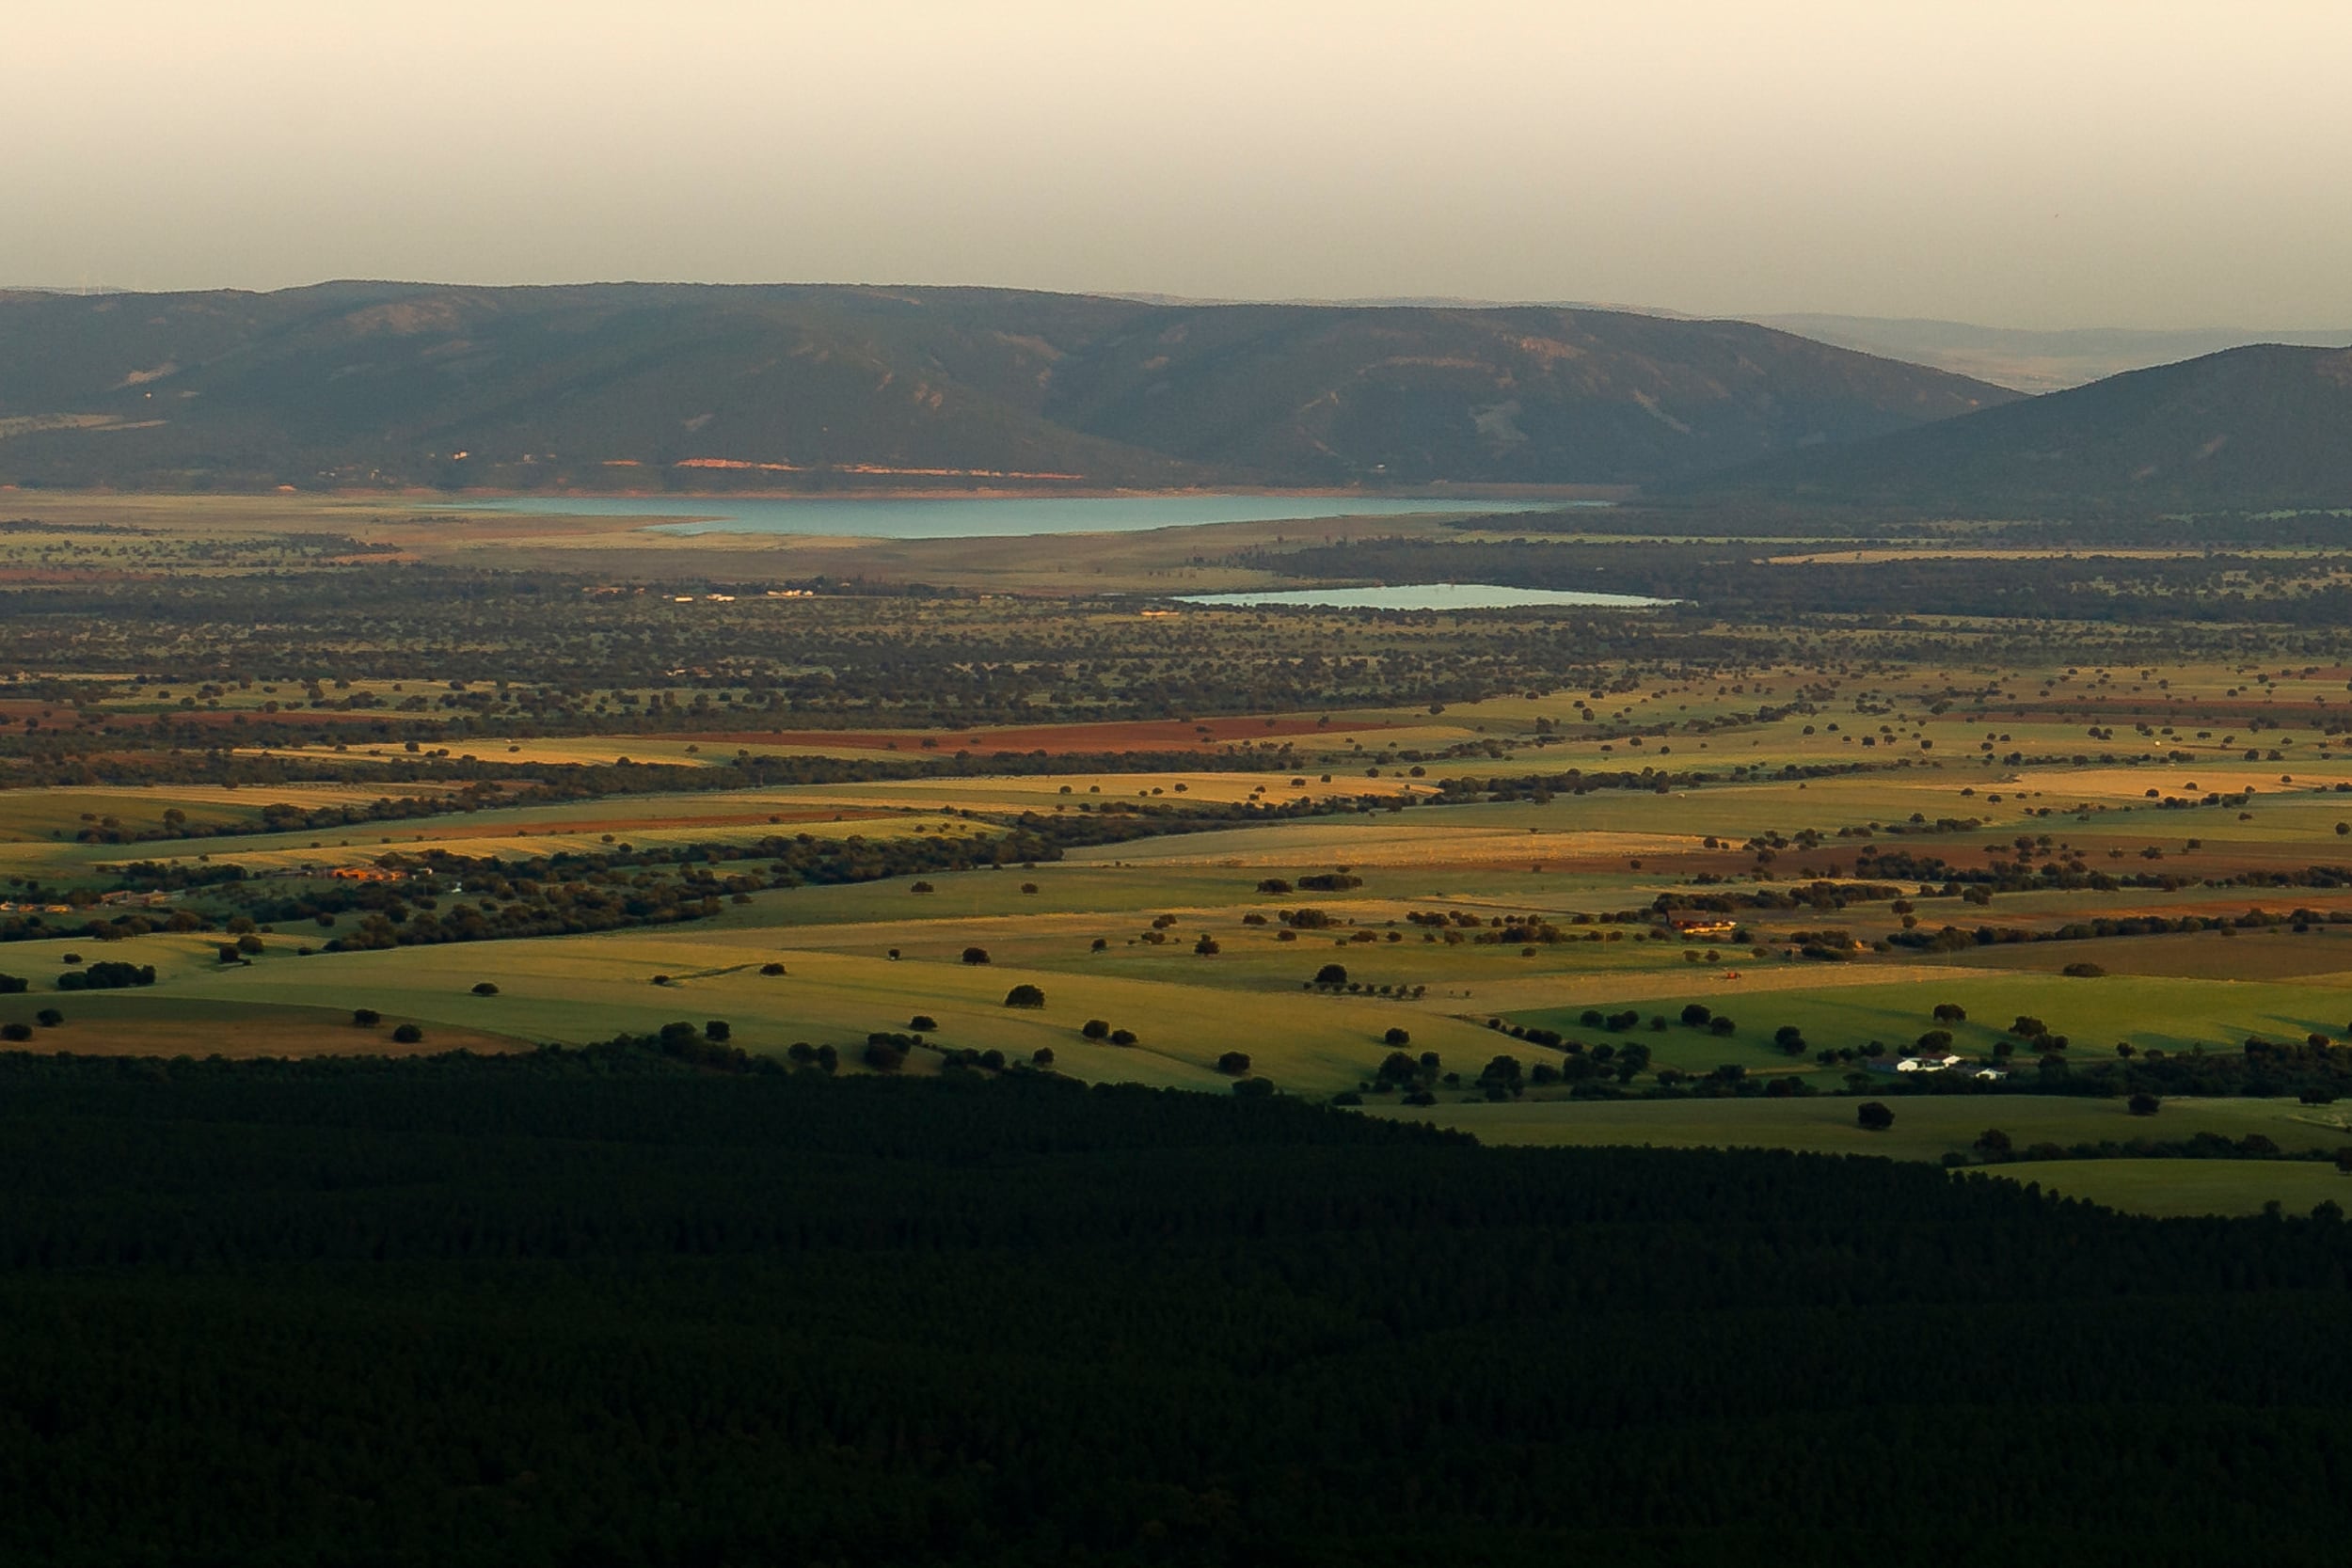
356, 382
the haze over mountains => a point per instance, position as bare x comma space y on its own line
650, 386
2030, 360
2268, 426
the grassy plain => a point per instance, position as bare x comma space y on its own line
1846, 793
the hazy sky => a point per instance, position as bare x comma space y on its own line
2044, 164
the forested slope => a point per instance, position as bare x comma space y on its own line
597, 1308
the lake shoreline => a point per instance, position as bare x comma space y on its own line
938, 516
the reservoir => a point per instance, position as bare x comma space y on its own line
987, 517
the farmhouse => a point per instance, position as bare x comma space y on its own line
1927, 1064
367, 874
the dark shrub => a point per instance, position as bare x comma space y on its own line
107, 974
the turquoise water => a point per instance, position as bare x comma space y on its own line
1428, 595
977, 518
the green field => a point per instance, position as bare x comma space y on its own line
2174, 1187
1925, 1127
642, 758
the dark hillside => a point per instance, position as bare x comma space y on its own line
659, 386
1528, 394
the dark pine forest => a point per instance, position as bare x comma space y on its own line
607, 1307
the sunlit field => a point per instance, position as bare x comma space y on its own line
1699, 883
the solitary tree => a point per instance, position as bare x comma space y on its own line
1024, 996
1873, 1117
1234, 1063
974, 955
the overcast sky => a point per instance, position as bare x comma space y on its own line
2047, 164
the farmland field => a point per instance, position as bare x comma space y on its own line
1687, 876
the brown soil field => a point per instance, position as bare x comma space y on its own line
194, 1029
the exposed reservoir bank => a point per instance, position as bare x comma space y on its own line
1428, 595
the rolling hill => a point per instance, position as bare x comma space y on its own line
657, 385
2267, 426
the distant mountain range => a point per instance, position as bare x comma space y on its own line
2024, 359
2268, 426
2039, 361
682, 386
